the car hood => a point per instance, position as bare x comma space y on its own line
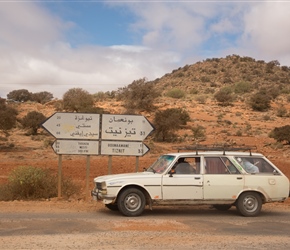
115, 177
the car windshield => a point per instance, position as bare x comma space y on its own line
161, 164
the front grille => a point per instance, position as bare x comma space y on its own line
99, 185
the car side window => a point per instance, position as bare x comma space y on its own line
264, 166
230, 166
215, 165
187, 165
255, 165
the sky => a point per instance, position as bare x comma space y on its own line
53, 45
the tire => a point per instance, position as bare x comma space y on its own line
222, 207
112, 207
131, 202
249, 204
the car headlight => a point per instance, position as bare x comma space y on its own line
101, 186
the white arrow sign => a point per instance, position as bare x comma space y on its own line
125, 127
73, 125
76, 147
124, 148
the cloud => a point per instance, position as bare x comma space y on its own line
258, 28
36, 53
36, 56
267, 29
175, 26
26, 25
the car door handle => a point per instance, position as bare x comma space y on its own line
239, 178
197, 178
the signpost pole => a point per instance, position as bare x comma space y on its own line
110, 164
59, 176
137, 164
87, 177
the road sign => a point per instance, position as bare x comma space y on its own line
73, 125
125, 127
123, 148
76, 147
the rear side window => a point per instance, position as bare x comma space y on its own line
219, 165
255, 165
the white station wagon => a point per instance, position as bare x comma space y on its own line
219, 178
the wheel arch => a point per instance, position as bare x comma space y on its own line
142, 189
260, 193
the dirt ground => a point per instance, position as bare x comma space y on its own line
61, 224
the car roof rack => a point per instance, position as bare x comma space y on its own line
214, 147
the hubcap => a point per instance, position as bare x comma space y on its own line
132, 202
250, 203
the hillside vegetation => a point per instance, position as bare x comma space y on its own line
208, 76
234, 101
217, 101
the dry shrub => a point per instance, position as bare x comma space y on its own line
32, 183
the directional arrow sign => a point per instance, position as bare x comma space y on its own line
73, 125
124, 148
76, 147
125, 127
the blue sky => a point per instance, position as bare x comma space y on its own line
103, 45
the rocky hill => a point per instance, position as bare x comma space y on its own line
211, 74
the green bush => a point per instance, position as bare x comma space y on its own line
193, 91
198, 133
20, 95
42, 97
260, 101
32, 121
225, 96
242, 87
103, 96
78, 100
31, 183
167, 121
176, 93
281, 134
281, 111
139, 95
201, 99
7, 116
266, 118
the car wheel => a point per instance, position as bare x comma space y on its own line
131, 202
222, 207
249, 204
112, 207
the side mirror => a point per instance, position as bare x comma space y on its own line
171, 172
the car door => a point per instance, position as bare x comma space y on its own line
183, 186
222, 181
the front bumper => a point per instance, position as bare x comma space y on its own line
98, 196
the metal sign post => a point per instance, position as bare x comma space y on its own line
59, 176
87, 177
137, 164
